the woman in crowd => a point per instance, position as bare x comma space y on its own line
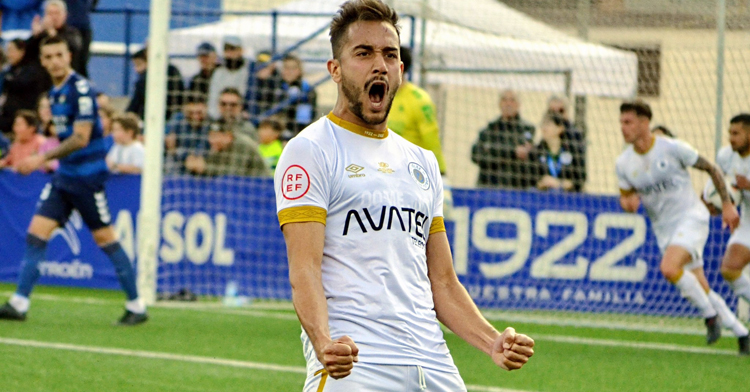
47, 129
559, 158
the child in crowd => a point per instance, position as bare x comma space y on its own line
26, 142
269, 132
127, 154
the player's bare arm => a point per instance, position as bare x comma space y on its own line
455, 308
729, 212
629, 201
304, 243
78, 140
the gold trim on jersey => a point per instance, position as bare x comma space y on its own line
437, 225
302, 214
323, 377
354, 128
653, 143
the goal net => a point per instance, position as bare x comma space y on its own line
520, 243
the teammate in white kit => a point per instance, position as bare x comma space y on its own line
361, 211
734, 161
653, 170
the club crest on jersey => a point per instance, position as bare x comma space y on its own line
295, 183
419, 175
82, 86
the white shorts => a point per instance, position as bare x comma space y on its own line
689, 234
368, 377
741, 235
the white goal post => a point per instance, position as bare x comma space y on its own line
149, 219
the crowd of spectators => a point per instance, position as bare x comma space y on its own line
508, 157
233, 117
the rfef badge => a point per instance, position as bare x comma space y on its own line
296, 182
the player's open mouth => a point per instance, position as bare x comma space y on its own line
377, 93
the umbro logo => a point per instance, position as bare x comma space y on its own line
355, 169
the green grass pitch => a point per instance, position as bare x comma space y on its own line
69, 344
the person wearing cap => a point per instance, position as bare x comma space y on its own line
234, 73
207, 58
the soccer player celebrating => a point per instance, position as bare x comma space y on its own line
77, 184
361, 212
653, 170
734, 161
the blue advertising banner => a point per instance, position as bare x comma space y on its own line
512, 249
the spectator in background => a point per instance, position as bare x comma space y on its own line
47, 129
413, 115
270, 147
299, 96
106, 115
175, 87
26, 142
54, 23
127, 154
230, 154
17, 16
661, 130
102, 100
44, 112
4, 65
234, 73
207, 58
559, 158
79, 17
187, 135
230, 113
24, 81
4, 145
502, 149
264, 87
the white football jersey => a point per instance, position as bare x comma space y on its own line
732, 164
660, 177
379, 197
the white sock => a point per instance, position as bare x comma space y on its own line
20, 303
136, 306
691, 289
728, 319
741, 287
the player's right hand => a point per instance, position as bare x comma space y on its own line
729, 216
338, 357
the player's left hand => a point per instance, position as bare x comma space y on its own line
743, 183
729, 216
30, 164
511, 350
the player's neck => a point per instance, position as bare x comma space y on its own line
342, 111
57, 82
644, 144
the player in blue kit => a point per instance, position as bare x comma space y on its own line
77, 185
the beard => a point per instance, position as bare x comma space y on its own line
353, 94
